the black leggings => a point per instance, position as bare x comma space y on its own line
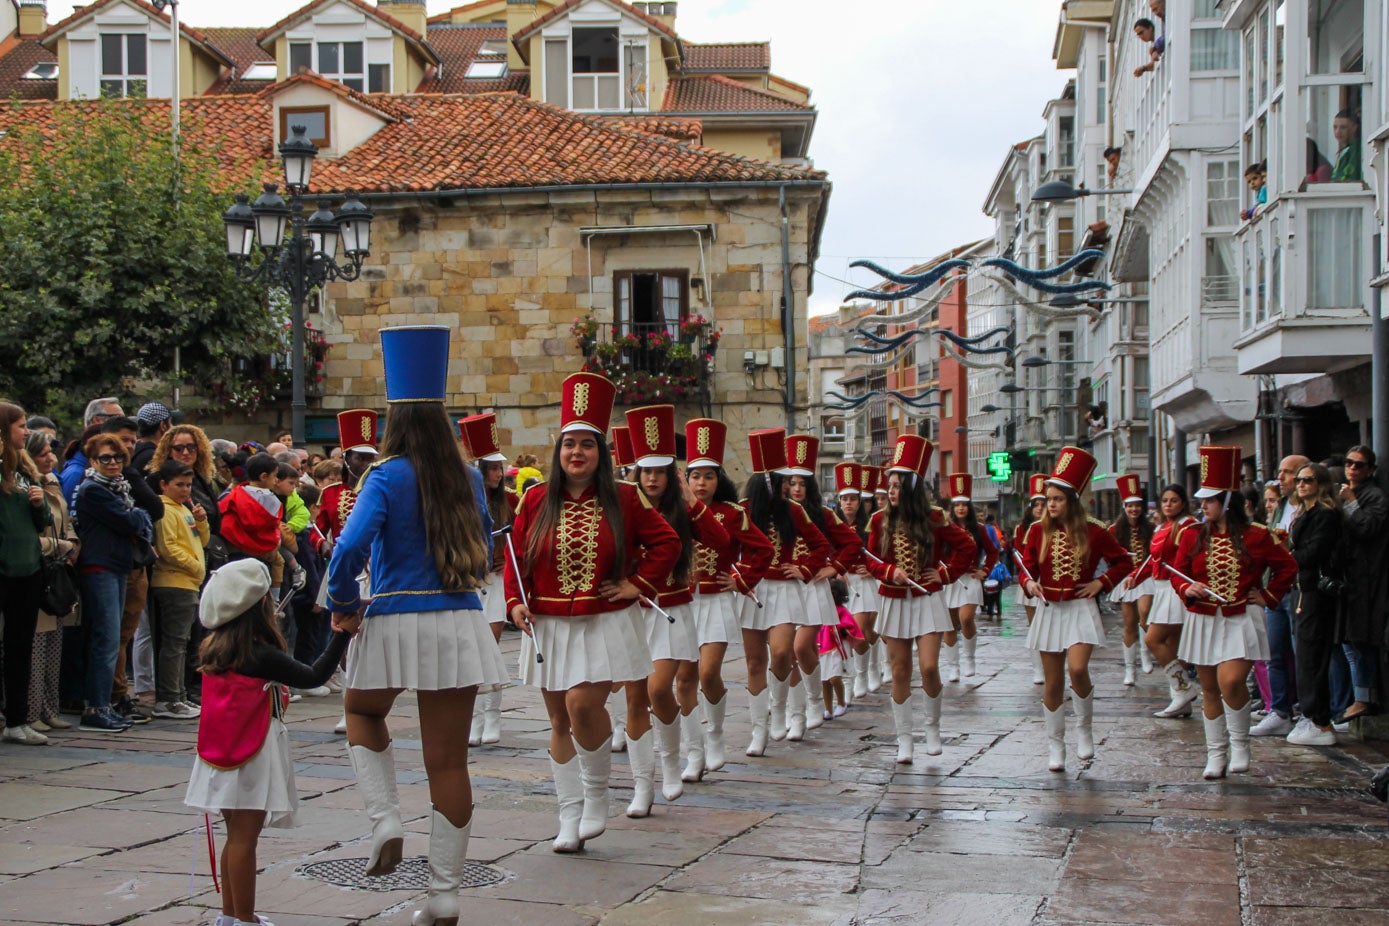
19, 600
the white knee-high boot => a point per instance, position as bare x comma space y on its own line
448, 854
715, 751
595, 766
860, 664
877, 674
933, 747
950, 658
814, 717
641, 760
1130, 663
902, 723
668, 744
758, 704
795, 711
1038, 676
617, 707
1056, 737
569, 789
1237, 722
776, 723
1085, 714
1217, 742
491, 717
1183, 692
692, 732
967, 654
376, 780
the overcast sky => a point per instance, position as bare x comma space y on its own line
918, 101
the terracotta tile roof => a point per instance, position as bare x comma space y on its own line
455, 142
240, 45
457, 46
691, 130
307, 10
714, 93
727, 56
447, 15
81, 13
383, 104
540, 21
16, 63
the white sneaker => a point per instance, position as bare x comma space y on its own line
1275, 724
23, 734
839, 710
1307, 733
335, 682
322, 691
826, 715
341, 725
175, 710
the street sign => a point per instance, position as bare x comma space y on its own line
1000, 466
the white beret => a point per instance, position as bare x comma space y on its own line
233, 590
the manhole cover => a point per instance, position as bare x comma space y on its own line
411, 875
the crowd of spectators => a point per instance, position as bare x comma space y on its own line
105, 544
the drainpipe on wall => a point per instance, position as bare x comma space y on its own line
788, 312
1379, 362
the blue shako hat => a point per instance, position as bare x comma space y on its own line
416, 358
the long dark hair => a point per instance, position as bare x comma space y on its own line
971, 524
814, 504
547, 519
226, 648
12, 461
725, 491
860, 520
1179, 491
1235, 522
1027, 519
769, 509
1123, 529
672, 507
912, 515
498, 505
421, 433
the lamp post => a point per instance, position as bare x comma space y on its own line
305, 259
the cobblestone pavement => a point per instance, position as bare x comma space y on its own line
829, 831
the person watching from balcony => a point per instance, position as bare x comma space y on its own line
1147, 32
1318, 167
1346, 129
1159, 9
1256, 175
1111, 160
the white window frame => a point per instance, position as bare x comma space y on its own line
124, 76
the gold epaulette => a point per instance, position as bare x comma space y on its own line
362, 481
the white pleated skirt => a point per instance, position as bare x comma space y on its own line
1167, 605
863, 594
607, 647
1122, 595
265, 783
666, 640
831, 666
1210, 639
494, 599
964, 590
426, 651
819, 605
909, 618
783, 602
716, 616
1064, 624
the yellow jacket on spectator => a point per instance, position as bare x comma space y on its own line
179, 540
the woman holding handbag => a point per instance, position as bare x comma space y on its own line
23, 515
58, 543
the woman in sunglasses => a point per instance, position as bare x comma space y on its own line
1367, 578
187, 444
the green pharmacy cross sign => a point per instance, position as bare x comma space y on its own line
1000, 466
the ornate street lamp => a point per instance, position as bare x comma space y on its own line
300, 255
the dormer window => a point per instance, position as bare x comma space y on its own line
595, 68
261, 70
44, 70
124, 65
316, 120
340, 61
493, 47
490, 61
596, 79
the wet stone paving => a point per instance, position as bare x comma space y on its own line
827, 831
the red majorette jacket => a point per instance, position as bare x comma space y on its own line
1138, 550
953, 548
709, 533
579, 556
748, 551
1162, 549
1062, 573
334, 507
846, 547
809, 552
990, 553
499, 554
1230, 575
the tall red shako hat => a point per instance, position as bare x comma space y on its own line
868, 479
705, 441
357, 430
767, 449
1037, 486
961, 486
846, 478
802, 453
652, 429
586, 403
911, 455
1220, 471
1073, 470
1130, 489
623, 454
479, 434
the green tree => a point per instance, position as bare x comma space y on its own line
113, 255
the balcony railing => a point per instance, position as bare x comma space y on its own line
655, 361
